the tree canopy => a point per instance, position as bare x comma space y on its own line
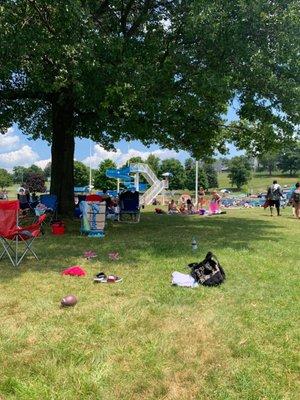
81, 174
190, 173
19, 174
211, 175
5, 178
174, 166
239, 171
162, 71
101, 181
33, 169
35, 182
154, 163
289, 160
268, 161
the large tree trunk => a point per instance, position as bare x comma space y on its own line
270, 167
62, 152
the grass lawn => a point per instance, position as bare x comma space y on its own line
143, 338
259, 181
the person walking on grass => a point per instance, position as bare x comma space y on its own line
296, 200
273, 196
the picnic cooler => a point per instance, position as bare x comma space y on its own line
58, 228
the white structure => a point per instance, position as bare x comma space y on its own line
156, 185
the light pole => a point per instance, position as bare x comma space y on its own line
196, 183
90, 178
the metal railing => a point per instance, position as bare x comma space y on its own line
145, 170
157, 185
152, 192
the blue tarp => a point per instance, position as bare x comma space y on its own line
81, 189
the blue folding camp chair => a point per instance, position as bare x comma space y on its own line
50, 201
129, 206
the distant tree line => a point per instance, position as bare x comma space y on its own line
286, 160
183, 175
32, 178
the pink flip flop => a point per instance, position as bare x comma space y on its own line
113, 279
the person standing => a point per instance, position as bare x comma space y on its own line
24, 198
273, 196
296, 200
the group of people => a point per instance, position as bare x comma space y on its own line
26, 199
186, 206
183, 208
274, 194
273, 197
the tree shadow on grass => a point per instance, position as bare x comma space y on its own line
155, 237
215, 233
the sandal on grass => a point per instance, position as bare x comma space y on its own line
113, 279
101, 277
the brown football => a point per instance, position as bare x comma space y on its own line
69, 301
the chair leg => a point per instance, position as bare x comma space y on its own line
6, 247
28, 249
28, 245
6, 251
13, 254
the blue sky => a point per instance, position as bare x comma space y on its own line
17, 149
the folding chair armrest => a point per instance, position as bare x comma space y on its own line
12, 233
42, 219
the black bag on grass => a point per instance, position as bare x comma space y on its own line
208, 272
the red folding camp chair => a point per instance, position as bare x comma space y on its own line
12, 235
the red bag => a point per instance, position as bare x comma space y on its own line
267, 204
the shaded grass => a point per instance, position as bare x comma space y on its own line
143, 338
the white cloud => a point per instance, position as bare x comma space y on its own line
13, 152
24, 156
100, 154
42, 163
9, 140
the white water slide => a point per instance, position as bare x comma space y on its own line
156, 186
